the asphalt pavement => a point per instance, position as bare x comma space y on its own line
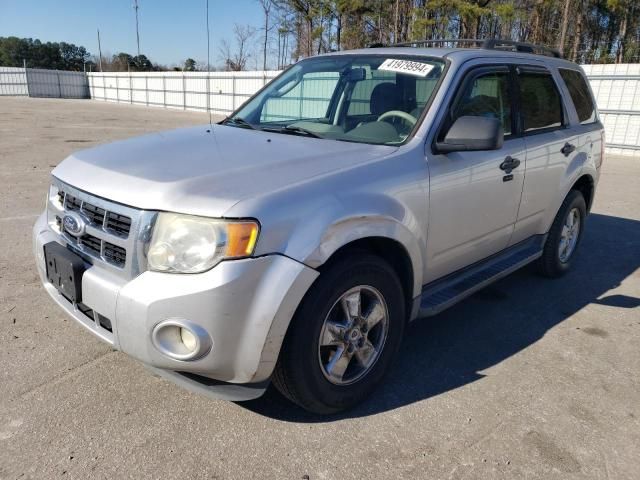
530, 378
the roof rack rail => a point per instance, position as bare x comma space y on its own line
438, 42
499, 44
487, 44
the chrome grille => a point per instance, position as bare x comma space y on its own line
92, 243
114, 235
119, 224
98, 217
115, 254
72, 203
93, 213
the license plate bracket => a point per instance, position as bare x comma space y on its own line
64, 271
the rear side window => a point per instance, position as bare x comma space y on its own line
579, 91
541, 104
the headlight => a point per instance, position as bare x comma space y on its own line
189, 244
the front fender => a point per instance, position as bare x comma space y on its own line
360, 227
355, 217
310, 221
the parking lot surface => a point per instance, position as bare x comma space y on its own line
530, 378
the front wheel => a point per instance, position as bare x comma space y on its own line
343, 337
564, 236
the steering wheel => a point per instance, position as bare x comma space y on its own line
410, 119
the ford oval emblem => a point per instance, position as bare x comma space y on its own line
73, 224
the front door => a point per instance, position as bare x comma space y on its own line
473, 202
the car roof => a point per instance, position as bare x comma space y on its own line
460, 55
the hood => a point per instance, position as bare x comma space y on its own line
201, 171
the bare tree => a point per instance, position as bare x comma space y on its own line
266, 8
236, 60
283, 20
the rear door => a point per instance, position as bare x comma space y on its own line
473, 203
551, 143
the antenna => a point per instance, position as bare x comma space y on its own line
208, 71
135, 7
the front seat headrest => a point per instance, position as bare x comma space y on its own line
384, 97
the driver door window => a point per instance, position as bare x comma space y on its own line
487, 95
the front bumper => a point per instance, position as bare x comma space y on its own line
244, 305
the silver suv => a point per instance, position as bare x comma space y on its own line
292, 242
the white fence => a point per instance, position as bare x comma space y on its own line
188, 91
616, 87
36, 82
13, 81
617, 91
57, 83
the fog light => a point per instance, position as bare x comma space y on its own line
189, 339
181, 339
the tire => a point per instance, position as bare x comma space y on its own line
304, 373
553, 263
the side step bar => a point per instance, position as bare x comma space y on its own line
446, 292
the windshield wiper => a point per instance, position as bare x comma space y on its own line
293, 130
240, 122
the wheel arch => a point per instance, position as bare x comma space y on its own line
585, 185
390, 250
383, 236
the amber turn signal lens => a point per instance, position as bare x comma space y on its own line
241, 238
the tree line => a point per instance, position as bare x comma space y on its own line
18, 52
586, 31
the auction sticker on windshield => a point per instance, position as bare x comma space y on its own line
406, 66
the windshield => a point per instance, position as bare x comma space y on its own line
359, 98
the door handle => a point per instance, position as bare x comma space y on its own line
509, 164
567, 149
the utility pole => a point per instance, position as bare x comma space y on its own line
136, 7
209, 74
99, 51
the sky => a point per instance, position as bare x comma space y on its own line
170, 30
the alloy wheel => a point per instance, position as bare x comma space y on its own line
569, 235
353, 335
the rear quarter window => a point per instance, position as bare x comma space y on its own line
580, 95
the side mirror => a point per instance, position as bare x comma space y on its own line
472, 134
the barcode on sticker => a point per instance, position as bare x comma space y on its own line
406, 66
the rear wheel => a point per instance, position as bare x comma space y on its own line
564, 236
343, 337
